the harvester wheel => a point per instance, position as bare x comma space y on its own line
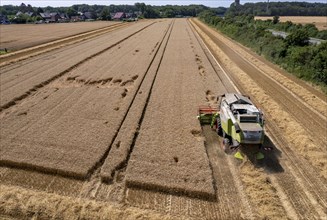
226, 144
219, 128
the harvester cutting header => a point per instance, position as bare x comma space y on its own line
237, 120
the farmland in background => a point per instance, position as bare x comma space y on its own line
319, 21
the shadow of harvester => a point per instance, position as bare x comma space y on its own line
270, 163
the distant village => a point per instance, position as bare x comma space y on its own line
56, 17
23, 14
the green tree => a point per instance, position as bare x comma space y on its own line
150, 12
298, 38
169, 13
311, 29
71, 12
275, 19
21, 19
105, 14
319, 64
141, 6
39, 10
322, 35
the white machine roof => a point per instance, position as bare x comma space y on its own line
249, 108
232, 98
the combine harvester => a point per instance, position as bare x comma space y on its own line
238, 121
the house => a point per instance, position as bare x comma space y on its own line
130, 15
63, 17
112, 15
77, 18
88, 15
55, 16
138, 13
4, 19
45, 15
19, 13
119, 16
29, 14
50, 17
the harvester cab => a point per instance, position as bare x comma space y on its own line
238, 121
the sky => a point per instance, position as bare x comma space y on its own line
210, 3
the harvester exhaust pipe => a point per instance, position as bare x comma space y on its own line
237, 128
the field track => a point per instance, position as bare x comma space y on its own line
111, 120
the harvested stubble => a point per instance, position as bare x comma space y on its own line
67, 127
40, 181
120, 150
66, 133
15, 37
20, 203
19, 79
169, 153
261, 192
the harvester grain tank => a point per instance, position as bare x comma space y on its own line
237, 120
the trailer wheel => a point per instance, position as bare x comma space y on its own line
219, 128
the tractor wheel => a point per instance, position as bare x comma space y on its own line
219, 128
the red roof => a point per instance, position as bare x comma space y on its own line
119, 15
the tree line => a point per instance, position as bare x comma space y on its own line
102, 11
293, 53
148, 11
280, 9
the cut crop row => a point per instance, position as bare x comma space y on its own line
21, 79
169, 153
